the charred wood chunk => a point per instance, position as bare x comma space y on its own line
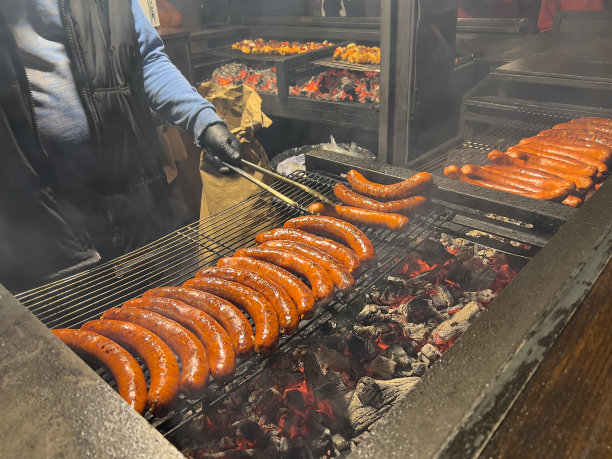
429, 354
474, 276
373, 398
418, 310
381, 367
457, 324
418, 369
333, 360
417, 332
442, 298
328, 386
398, 354
269, 402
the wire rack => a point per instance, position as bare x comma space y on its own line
335, 63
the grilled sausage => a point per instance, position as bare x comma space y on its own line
536, 178
408, 187
453, 172
338, 273
351, 198
578, 139
585, 131
195, 370
565, 154
334, 227
479, 173
159, 358
320, 282
224, 312
357, 216
598, 124
582, 182
573, 201
221, 355
560, 146
255, 304
286, 310
298, 290
547, 159
340, 252
130, 379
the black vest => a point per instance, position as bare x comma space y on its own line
61, 214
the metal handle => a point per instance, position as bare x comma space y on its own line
268, 188
307, 189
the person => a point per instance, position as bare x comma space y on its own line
548, 8
81, 177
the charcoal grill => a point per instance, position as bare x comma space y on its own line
176, 257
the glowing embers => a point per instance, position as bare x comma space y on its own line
260, 77
341, 86
320, 396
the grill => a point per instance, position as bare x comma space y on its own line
176, 257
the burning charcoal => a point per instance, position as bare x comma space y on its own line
340, 442
417, 310
369, 312
253, 433
295, 398
399, 356
313, 369
373, 398
418, 369
233, 454
417, 332
411, 348
333, 360
474, 276
450, 329
430, 353
322, 443
443, 298
357, 347
328, 385
373, 330
485, 296
269, 402
381, 367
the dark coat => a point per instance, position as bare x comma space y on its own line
60, 214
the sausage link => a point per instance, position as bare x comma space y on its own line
587, 132
535, 177
582, 182
334, 227
573, 201
286, 309
346, 256
298, 290
578, 139
561, 147
131, 383
159, 358
566, 154
338, 273
453, 172
262, 312
351, 198
400, 190
547, 159
553, 194
322, 286
195, 371
365, 217
221, 355
228, 315
598, 124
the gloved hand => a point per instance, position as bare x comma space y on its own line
219, 144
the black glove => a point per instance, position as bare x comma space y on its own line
219, 144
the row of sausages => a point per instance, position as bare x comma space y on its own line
561, 164
292, 271
374, 205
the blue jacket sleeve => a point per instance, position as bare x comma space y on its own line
168, 91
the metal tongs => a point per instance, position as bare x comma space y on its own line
320, 196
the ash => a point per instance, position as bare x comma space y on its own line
322, 396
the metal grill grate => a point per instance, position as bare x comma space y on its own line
485, 132
338, 64
176, 257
